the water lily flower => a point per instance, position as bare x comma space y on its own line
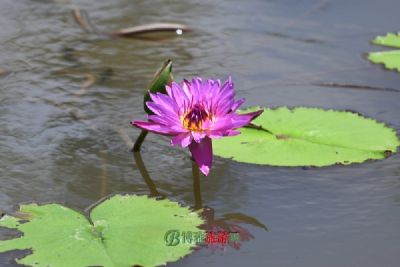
194, 113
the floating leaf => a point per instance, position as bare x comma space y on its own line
391, 40
309, 137
161, 78
391, 59
121, 231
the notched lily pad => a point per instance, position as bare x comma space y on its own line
122, 230
309, 137
391, 59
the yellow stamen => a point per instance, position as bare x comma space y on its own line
193, 119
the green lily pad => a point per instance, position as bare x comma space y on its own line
391, 59
161, 78
120, 231
309, 137
390, 39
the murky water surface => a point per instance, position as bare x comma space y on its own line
74, 149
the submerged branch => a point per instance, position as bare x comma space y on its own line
355, 86
90, 80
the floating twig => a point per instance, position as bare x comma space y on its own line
299, 77
151, 28
142, 31
355, 86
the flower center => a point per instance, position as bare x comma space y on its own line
193, 120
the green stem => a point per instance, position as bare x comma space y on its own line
196, 186
139, 141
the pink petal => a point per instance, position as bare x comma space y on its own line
169, 91
227, 86
156, 128
165, 102
197, 89
216, 134
237, 104
220, 134
161, 110
197, 136
233, 121
186, 89
154, 108
202, 154
244, 119
232, 133
223, 123
179, 96
184, 139
212, 94
165, 120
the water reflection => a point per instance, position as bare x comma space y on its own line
146, 177
231, 223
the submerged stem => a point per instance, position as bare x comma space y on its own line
139, 141
146, 177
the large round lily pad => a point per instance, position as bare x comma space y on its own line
121, 231
309, 137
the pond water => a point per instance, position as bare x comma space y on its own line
70, 148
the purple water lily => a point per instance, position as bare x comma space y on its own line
194, 113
